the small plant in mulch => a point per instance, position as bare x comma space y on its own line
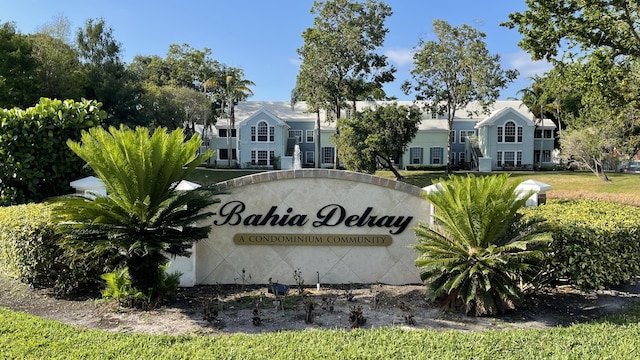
407, 316
356, 318
297, 276
328, 304
348, 293
244, 279
257, 311
210, 310
309, 306
375, 296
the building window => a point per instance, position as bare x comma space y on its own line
296, 134
548, 134
223, 154
519, 134
223, 133
415, 153
259, 157
453, 158
327, 155
347, 114
262, 132
546, 156
509, 158
309, 157
465, 134
311, 136
510, 132
518, 158
452, 134
263, 129
507, 133
436, 155
462, 156
538, 134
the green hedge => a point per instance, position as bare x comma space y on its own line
35, 162
29, 251
596, 244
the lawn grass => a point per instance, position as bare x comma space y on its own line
583, 181
27, 337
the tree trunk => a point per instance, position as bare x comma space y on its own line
144, 271
387, 164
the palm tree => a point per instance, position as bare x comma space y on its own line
478, 253
231, 89
143, 218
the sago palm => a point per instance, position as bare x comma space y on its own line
477, 253
143, 217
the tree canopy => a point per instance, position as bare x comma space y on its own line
151, 91
339, 57
553, 29
376, 137
456, 69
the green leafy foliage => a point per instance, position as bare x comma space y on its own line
340, 55
376, 136
455, 70
555, 29
118, 287
17, 88
477, 253
34, 161
596, 244
143, 217
29, 251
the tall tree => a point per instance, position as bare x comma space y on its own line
553, 29
17, 89
58, 73
456, 69
609, 109
150, 69
107, 79
340, 51
377, 136
230, 88
175, 107
191, 67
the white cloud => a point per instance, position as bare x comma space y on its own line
522, 62
401, 57
295, 61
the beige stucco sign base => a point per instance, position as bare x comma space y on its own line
340, 226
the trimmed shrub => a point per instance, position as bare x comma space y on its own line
596, 244
35, 163
29, 252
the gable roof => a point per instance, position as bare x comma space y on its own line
260, 111
501, 113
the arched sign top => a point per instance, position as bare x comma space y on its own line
325, 174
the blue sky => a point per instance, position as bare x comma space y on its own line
261, 36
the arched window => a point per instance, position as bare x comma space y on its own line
509, 133
262, 132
